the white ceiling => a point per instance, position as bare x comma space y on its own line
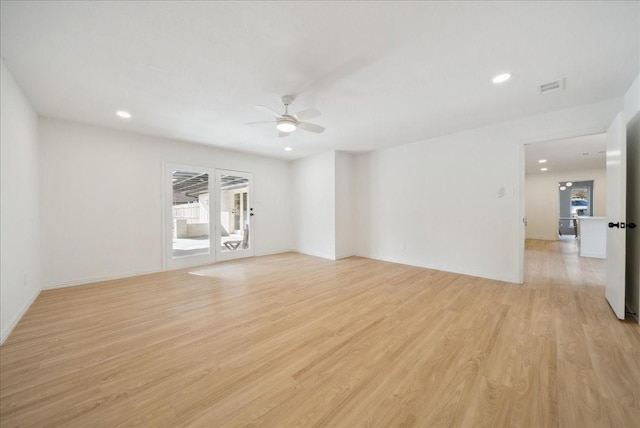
570, 154
382, 73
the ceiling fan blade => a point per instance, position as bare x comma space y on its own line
283, 134
268, 110
309, 113
310, 127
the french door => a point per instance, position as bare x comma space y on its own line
234, 213
188, 235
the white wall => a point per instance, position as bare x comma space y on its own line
451, 217
345, 210
314, 204
323, 204
19, 223
435, 205
632, 99
541, 203
100, 170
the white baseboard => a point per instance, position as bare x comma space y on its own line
502, 278
594, 255
273, 252
91, 280
315, 254
14, 322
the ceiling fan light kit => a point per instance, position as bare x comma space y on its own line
287, 123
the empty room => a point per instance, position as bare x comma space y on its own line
320, 214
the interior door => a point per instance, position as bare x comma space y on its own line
234, 197
616, 214
633, 216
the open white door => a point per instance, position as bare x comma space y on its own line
616, 214
633, 216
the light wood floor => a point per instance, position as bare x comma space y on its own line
292, 340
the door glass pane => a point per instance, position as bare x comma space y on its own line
190, 228
234, 213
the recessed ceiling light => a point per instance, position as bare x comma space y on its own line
569, 184
287, 149
543, 169
124, 114
500, 78
542, 161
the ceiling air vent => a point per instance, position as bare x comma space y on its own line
551, 87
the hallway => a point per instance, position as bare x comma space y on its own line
557, 262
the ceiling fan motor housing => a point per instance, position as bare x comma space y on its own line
287, 99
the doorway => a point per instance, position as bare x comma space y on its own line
564, 178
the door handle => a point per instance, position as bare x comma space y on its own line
631, 226
612, 225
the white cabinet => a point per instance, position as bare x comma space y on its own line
593, 236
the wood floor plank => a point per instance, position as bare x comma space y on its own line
294, 340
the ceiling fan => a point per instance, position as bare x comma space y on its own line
287, 123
